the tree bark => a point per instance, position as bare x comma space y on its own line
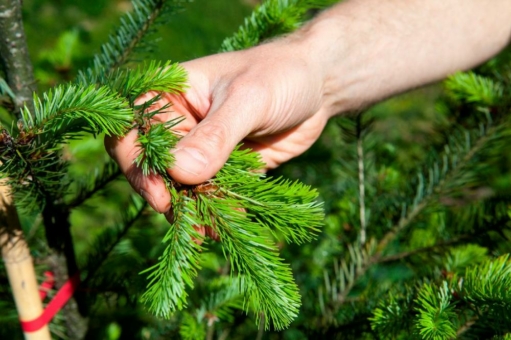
15, 252
14, 54
17, 66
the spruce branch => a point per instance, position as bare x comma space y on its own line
129, 38
453, 172
30, 154
178, 265
105, 243
269, 284
271, 18
191, 328
148, 76
88, 187
489, 282
436, 313
473, 88
244, 209
221, 303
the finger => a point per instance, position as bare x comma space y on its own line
152, 188
277, 149
205, 149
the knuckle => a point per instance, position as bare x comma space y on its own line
212, 134
253, 91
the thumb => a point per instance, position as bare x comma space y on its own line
201, 153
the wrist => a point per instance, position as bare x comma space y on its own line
329, 51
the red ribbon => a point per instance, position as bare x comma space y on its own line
47, 285
59, 300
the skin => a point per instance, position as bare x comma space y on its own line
277, 97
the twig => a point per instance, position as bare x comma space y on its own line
108, 250
361, 181
260, 332
403, 255
406, 220
466, 326
210, 331
99, 185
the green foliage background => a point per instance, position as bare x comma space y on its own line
404, 133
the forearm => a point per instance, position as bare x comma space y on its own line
368, 50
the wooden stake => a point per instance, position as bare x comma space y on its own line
20, 266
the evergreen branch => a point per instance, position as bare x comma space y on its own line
129, 37
190, 328
220, 304
441, 180
275, 206
68, 110
489, 282
269, 284
436, 312
31, 157
466, 326
346, 275
106, 242
271, 18
154, 144
178, 265
472, 88
149, 76
86, 188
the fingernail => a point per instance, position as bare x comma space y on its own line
190, 160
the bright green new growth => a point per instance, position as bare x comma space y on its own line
473, 88
246, 210
270, 19
436, 313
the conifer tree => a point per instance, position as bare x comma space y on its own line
415, 242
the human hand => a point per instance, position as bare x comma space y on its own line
269, 97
